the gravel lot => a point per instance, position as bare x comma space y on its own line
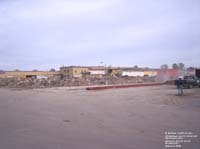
73, 118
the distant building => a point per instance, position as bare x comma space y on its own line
73, 71
28, 74
132, 72
116, 71
97, 71
139, 72
150, 73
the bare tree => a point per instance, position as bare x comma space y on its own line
52, 70
175, 66
181, 66
164, 66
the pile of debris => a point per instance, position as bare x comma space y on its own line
59, 82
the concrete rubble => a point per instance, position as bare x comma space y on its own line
59, 82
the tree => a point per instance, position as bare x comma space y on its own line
164, 66
136, 67
181, 66
175, 66
52, 70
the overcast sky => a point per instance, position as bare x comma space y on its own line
44, 34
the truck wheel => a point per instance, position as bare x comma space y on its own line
190, 86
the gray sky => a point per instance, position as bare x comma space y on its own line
44, 34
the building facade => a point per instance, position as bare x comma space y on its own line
114, 71
73, 71
150, 73
133, 73
28, 74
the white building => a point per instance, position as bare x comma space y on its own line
97, 72
133, 73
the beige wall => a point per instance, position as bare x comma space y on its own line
150, 73
79, 71
116, 71
66, 71
23, 74
73, 71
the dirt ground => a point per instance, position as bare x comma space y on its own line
73, 118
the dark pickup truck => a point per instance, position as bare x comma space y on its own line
190, 82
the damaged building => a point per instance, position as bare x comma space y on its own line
73, 71
28, 74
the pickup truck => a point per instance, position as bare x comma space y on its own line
190, 82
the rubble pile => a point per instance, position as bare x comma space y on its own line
59, 82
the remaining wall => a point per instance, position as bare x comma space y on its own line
73, 71
97, 72
150, 73
116, 72
133, 73
78, 71
23, 74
